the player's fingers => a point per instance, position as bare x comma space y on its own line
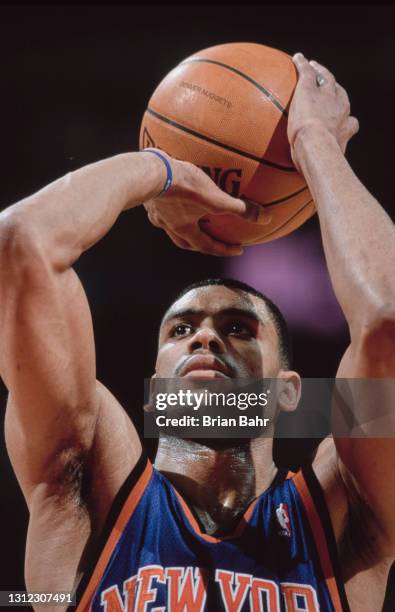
247, 209
153, 218
256, 213
220, 202
180, 242
305, 71
343, 96
209, 196
253, 210
353, 125
321, 70
206, 244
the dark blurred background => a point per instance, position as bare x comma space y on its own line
74, 85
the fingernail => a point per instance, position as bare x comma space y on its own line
234, 253
252, 210
298, 56
264, 217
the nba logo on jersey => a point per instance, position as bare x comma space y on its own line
283, 519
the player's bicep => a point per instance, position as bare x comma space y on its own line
47, 364
363, 416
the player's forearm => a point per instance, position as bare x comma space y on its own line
74, 212
358, 235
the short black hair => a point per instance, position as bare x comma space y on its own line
285, 343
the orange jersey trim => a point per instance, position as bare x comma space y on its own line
320, 540
242, 524
119, 526
215, 540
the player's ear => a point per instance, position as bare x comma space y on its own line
289, 390
148, 400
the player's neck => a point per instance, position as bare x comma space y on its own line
219, 481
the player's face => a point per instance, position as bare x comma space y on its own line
216, 332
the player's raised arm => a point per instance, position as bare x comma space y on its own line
47, 359
359, 243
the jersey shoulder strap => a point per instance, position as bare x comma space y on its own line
121, 510
313, 499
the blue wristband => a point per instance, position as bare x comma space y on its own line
169, 178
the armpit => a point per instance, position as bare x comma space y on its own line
360, 543
67, 478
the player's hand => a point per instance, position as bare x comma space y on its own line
192, 196
319, 103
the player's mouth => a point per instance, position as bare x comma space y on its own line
205, 366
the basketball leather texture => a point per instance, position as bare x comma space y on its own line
225, 109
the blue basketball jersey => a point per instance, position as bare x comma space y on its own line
156, 557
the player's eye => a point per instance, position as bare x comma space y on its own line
238, 328
182, 329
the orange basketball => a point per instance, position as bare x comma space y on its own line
225, 110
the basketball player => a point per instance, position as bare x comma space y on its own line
209, 527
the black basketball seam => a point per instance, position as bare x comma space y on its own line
261, 88
283, 225
281, 200
289, 219
183, 128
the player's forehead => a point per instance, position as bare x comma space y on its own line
213, 300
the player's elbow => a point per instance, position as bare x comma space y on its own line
21, 245
377, 342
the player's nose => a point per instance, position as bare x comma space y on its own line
206, 338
